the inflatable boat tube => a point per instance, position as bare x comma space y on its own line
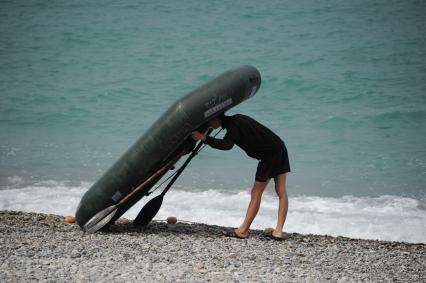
169, 138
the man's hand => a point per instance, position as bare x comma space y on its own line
198, 136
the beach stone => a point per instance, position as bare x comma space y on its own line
40, 247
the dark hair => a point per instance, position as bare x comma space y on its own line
221, 116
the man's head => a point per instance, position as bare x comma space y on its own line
216, 122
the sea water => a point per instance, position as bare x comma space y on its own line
343, 83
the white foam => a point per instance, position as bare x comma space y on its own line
384, 218
45, 197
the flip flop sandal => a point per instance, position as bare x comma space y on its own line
269, 236
232, 234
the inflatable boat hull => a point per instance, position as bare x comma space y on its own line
167, 139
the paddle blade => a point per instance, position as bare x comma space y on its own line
148, 211
100, 219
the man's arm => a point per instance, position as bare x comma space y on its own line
222, 144
226, 143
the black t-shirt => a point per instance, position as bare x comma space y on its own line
255, 139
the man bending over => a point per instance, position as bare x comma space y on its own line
260, 143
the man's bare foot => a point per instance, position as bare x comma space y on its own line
273, 235
241, 233
277, 234
233, 234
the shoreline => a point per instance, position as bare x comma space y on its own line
42, 247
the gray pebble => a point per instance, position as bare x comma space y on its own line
40, 247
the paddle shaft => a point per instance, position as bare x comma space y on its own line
150, 209
153, 176
192, 155
111, 210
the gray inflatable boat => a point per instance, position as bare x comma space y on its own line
164, 143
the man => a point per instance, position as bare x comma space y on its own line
260, 143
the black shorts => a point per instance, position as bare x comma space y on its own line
273, 165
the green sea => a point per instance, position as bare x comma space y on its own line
343, 84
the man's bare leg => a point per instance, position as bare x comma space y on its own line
253, 208
280, 189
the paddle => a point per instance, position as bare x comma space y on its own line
153, 206
103, 217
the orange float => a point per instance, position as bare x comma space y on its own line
69, 219
171, 220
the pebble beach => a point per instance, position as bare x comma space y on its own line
44, 248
